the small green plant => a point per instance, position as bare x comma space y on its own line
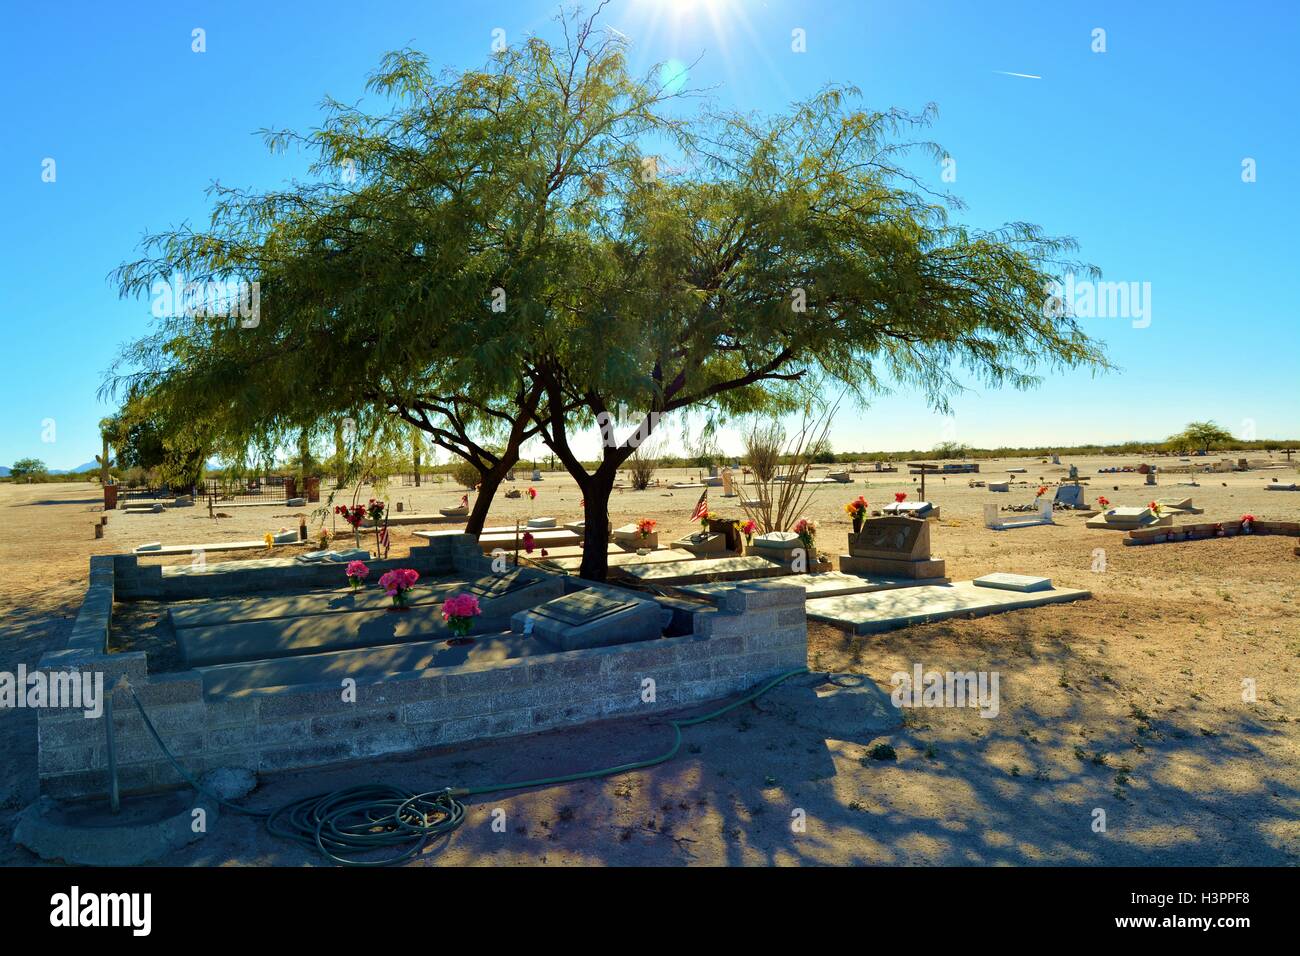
881, 752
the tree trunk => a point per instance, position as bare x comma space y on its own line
340, 456
103, 465
595, 515
489, 482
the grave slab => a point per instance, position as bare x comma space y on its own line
776, 545
541, 539
288, 637
1128, 519
821, 584
911, 509
373, 624
501, 595
702, 570
411, 517
889, 610
620, 559
702, 544
170, 550
593, 617
1013, 582
630, 538
234, 610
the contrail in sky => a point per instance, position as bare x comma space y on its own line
1027, 76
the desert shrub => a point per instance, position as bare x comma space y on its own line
763, 448
465, 474
641, 467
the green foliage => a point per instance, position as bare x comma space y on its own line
526, 247
465, 474
1201, 436
28, 468
822, 453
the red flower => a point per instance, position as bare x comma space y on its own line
900, 496
1102, 500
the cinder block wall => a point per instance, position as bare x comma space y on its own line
757, 631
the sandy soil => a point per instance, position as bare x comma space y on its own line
1131, 702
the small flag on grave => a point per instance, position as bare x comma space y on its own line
701, 506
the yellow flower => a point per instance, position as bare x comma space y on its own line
270, 540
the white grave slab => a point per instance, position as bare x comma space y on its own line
1013, 582
911, 509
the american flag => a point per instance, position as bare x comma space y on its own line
701, 506
383, 537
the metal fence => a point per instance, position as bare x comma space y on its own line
269, 488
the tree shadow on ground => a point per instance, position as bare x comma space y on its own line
737, 791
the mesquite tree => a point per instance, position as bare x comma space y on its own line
529, 248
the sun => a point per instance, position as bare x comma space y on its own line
676, 33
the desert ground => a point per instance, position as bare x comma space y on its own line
1131, 702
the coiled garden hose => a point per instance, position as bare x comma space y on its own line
348, 824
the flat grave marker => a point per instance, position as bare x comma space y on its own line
593, 617
889, 610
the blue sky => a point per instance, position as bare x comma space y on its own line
1136, 151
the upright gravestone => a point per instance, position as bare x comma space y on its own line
1071, 496
895, 546
728, 488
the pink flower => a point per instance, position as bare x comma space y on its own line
460, 605
358, 570
398, 580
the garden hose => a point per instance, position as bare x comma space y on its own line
347, 825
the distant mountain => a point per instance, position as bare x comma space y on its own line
4, 472
88, 466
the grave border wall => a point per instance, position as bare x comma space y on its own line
757, 630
